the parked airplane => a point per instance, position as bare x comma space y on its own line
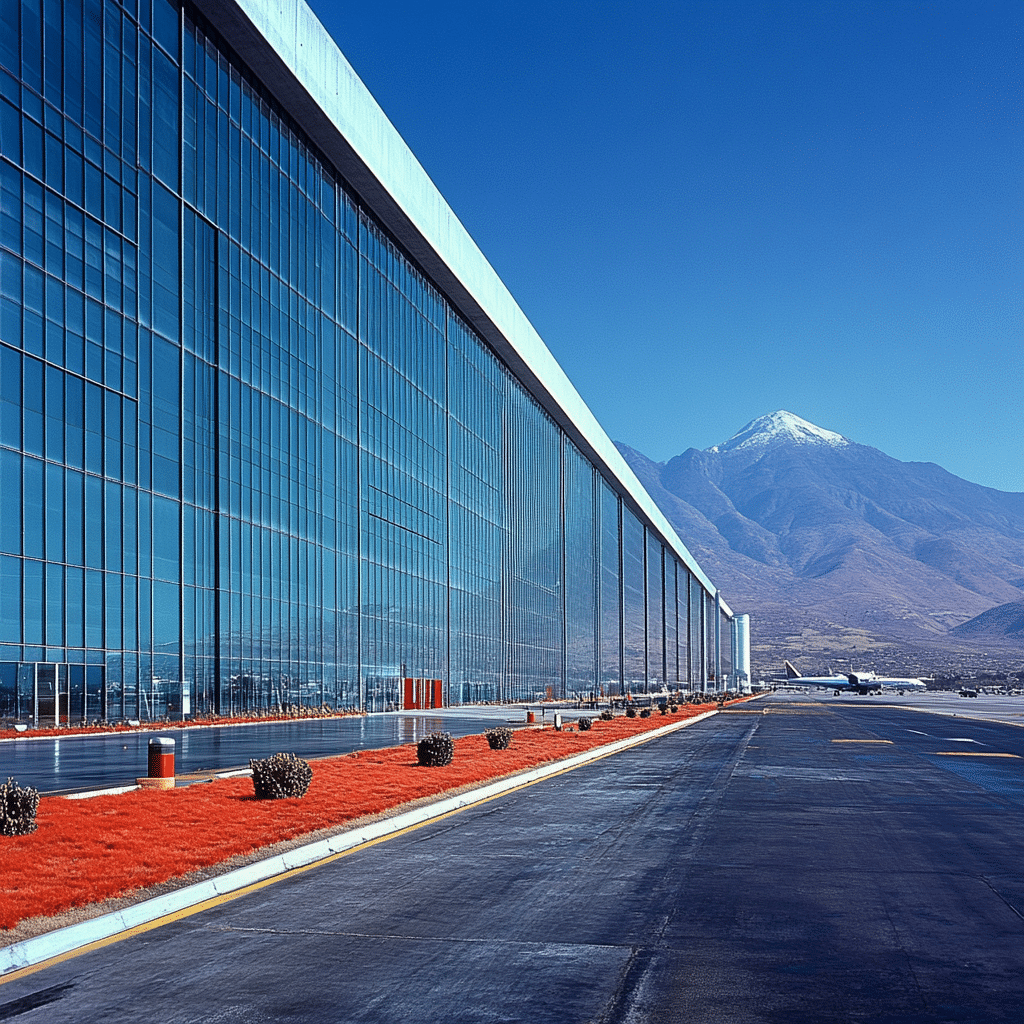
864, 682
837, 683
854, 682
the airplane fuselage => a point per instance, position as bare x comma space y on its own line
862, 683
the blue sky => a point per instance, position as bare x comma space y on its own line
711, 211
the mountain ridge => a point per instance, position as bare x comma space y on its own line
800, 524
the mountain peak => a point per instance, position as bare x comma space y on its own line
776, 427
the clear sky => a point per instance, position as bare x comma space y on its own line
713, 210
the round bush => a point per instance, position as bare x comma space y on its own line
280, 776
584, 724
663, 708
631, 712
673, 708
646, 713
606, 716
436, 750
18, 806
498, 739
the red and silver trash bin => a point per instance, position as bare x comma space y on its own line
160, 773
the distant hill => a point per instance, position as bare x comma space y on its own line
1002, 622
816, 534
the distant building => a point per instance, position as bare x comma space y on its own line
740, 639
271, 428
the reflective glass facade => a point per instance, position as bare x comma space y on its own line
250, 453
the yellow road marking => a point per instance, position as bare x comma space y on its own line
970, 753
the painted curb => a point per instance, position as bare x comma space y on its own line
40, 948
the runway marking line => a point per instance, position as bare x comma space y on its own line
216, 901
971, 753
890, 742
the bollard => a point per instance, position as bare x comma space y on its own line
530, 718
161, 764
558, 721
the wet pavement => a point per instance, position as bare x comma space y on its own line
76, 763
787, 861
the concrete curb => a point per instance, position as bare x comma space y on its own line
41, 948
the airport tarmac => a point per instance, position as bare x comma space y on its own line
791, 859
990, 707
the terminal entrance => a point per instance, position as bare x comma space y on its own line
422, 693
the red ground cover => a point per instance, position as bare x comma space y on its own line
84, 851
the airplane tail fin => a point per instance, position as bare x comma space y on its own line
791, 673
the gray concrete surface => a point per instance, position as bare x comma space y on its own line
801, 860
996, 708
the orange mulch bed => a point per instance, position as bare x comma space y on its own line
84, 851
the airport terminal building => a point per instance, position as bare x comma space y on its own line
271, 428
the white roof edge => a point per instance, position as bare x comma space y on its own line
306, 50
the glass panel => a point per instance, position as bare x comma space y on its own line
580, 574
634, 612
655, 614
611, 592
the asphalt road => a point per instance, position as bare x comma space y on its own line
786, 861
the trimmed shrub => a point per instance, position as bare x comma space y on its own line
673, 708
606, 716
18, 806
663, 708
280, 776
631, 712
584, 724
436, 750
498, 739
645, 713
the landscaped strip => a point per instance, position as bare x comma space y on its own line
27, 954
87, 851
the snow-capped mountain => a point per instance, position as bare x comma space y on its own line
800, 525
778, 428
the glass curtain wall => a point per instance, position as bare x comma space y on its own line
634, 610
250, 455
533, 559
610, 584
697, 676
656, 669
671, 622
708, 636
581, 573
476, 516
403, 474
